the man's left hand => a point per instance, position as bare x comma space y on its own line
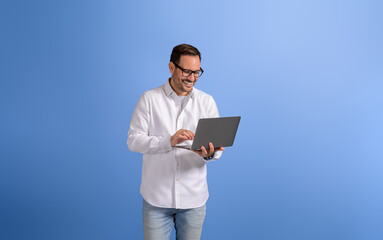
205, 154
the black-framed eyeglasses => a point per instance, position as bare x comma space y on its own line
188, 72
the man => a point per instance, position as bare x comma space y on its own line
174, 185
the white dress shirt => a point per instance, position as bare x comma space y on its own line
171, 177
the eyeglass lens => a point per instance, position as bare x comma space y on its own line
187, 73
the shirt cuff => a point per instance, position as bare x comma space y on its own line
215, 156
165, 144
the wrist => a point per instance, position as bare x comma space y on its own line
209, 157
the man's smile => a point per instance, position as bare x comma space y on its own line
188, 83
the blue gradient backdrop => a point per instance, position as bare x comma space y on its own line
306, 77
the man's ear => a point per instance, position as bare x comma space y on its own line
172, 67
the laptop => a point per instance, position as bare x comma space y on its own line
220, 131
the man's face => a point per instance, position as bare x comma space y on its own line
180, 84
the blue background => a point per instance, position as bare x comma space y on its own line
306, 77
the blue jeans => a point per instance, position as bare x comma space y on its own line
158, 222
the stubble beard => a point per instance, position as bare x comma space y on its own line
179, 83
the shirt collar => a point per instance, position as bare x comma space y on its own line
169, 90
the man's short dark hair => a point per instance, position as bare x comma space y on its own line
183, 49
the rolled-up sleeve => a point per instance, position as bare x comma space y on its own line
138, 137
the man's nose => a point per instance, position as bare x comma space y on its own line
192, 77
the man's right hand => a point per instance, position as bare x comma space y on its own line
181, 136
